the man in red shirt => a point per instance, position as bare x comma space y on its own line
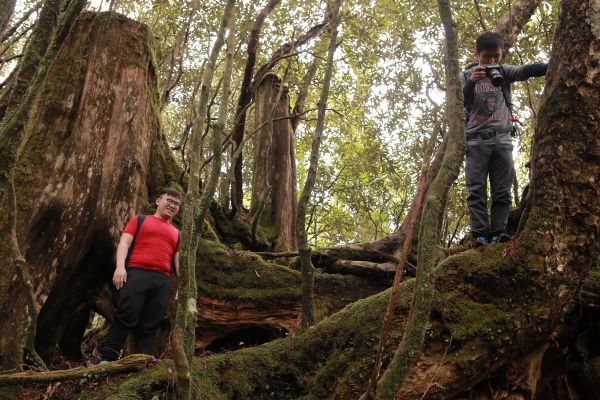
145, 258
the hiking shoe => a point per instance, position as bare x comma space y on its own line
501, 238
480, 240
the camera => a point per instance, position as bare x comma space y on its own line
492, 71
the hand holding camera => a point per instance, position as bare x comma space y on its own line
491, 71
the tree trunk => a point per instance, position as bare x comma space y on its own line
237, 192
40, 39
274, 191
7, 8
307, 268
514, 20
83, 172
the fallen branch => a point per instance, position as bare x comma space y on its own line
365, 265
132, 363
266, 254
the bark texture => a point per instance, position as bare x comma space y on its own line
274, 190
83, 172
7, 8
512, 23
40, 40
237, 192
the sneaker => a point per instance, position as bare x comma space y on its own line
481, 240
501, 238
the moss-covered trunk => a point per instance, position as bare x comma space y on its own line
274, 193
82, 173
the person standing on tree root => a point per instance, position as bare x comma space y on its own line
146, 255
488, 134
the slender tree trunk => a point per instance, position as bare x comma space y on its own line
308, 318
10, 31
40, 40
514, 20
391, 307
418, 318
185, 339
237, 191
7, 8
178, 51
307, 81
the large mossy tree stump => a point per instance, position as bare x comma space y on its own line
92, 153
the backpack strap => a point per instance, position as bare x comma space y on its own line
140, 221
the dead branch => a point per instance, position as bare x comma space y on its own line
131, 363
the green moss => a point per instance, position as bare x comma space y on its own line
10, 392
267, 234
466, 318
592, 283
242, 276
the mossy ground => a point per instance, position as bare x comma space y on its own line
334, 358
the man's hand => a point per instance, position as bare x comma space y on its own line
477, 73
119, 277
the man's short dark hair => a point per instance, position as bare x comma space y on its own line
489, 40
171, 192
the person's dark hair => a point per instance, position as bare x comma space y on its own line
488, 40
171, 192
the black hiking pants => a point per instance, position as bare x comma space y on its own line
140, 308
489, 155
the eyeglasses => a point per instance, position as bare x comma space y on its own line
173, 203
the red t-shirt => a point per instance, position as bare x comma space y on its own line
155, 244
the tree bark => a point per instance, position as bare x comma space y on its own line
237, 192
307, 268
7, 8
514, 20
85, 168
40, 40
193, 216
274, 186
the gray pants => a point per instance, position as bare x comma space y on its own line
489, 156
